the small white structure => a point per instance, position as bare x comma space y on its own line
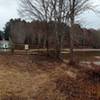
4, 44
26, 47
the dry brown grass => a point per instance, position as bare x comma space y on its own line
25, 77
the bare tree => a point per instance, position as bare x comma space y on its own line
75, 8
36, 10
46, 10
59, 11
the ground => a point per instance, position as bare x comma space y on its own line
32, 77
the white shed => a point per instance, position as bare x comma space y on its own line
4, 44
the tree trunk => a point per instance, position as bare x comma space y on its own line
72, 60
58, 47
71, 47
47, 46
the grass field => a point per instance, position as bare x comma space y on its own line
37, 77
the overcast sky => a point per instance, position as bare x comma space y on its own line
8, 10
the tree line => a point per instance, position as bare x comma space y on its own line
35, 33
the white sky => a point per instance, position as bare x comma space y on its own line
8, 10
